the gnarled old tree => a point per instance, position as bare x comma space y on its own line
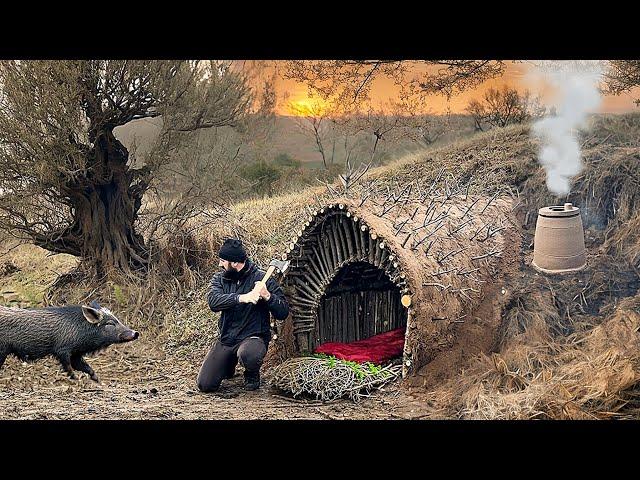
66, 182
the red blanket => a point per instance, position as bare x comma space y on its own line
377, 349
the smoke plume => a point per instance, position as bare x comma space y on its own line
576, 86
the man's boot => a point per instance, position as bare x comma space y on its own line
251, 380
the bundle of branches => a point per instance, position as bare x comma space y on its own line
329, 378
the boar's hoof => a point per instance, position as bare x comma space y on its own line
72, 376
95, 378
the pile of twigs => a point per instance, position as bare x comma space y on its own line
331, 378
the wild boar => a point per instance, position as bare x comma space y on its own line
66, 333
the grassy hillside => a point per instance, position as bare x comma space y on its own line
504, 159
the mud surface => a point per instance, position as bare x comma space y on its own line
137, 381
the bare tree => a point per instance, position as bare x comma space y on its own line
346, 84
502, 107
66, 182
478, 112
318, 121
385, 129
416, 124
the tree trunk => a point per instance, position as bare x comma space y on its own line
105, 217
105, 208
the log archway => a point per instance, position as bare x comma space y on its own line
361, 301
344, 283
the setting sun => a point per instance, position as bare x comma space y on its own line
306, 107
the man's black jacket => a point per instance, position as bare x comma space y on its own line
242, 320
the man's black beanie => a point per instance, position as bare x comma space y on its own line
232, 250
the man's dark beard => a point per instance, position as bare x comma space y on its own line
232, 273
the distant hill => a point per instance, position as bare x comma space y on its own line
287, 137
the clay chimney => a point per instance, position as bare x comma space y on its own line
559, 240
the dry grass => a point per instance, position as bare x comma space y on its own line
269, 223
591, 375
27, 272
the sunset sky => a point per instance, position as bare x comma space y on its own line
518, 75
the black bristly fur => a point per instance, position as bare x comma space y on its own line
63, 332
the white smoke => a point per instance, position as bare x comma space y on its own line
576, 86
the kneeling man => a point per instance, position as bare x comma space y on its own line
244, 332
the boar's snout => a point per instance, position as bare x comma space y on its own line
128, 335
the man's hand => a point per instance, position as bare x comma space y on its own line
252, 297
261, 288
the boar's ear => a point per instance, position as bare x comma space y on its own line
91, 314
